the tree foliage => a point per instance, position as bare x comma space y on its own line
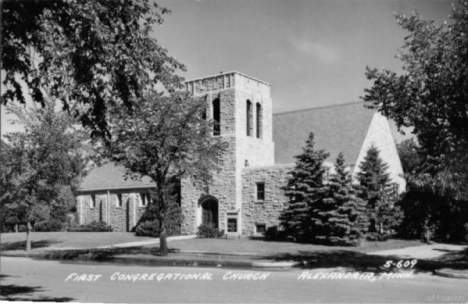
431, 96
38, 163
373, 177
90, 55
343, 215
410, 156
379, 193
305, 190
166, 139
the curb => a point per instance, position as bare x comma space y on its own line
200, 262
450, 274
240, 254
179, 262
276, 265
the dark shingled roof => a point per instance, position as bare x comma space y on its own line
337, 128
110, 176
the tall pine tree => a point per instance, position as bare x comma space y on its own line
344, 213
305, 188
377, 189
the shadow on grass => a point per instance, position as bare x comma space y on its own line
357, 261
14, 292
106, 254
455, 256
263, 238
22, 245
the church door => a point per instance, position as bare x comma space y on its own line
210, 213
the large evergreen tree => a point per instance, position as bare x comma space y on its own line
166, 139
373, 177
305, 188
344, 213
378, 191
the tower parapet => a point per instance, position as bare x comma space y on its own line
227, 80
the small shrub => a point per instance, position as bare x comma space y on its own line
149, 222
22, 228
209, 231
48, 226
148, 228
273, 233
151, 228
92, 227
377, 237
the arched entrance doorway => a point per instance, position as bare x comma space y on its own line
209, 210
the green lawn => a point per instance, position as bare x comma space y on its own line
260, 246
44, 240
50, 240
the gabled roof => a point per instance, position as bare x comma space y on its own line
110, 176
337, 128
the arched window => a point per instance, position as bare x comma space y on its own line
259, 120
249, 118
216, 117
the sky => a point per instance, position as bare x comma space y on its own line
312, 52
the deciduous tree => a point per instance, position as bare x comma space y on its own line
40, 161
166, 139
410, 156
431, 95
90, 55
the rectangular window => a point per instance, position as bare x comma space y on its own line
259, 120
142, 199
260, 228
260, 191
93, 201
216, 117
119, 202
249, 118
232, 225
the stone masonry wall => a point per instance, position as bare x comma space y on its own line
222, 187
122, 217
90, 213
268, 211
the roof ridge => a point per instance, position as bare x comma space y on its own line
320, 107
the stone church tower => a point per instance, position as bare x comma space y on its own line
241, 106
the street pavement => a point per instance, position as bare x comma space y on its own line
27, 279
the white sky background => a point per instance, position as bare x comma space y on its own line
312, 52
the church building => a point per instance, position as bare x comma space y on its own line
246, 195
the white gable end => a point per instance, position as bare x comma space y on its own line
380, 136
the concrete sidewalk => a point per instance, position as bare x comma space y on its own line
429, 252
422, 252
149, 242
